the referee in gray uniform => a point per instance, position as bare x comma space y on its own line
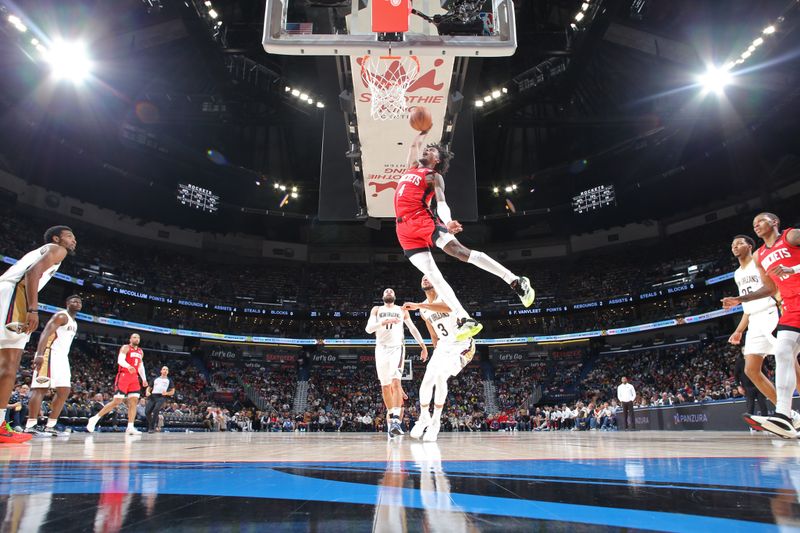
157, 393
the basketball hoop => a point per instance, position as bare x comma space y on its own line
388, 78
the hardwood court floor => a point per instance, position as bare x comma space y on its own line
672, 481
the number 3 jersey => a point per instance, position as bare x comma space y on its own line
749, 280
444, 324
390, 334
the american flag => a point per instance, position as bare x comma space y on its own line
299, 28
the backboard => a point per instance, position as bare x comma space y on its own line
438, 35
466, 28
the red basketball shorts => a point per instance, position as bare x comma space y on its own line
418, 234
790, 318
127, 384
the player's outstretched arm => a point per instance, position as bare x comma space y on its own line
768, 289
415, 149
412, 328
55, 322
436, 307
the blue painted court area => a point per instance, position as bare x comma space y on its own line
680, 494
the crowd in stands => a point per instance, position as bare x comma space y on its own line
142, 267
689, 373
346, 397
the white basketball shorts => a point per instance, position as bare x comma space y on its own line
448, 359
760, 337
389, 363
13, 311
55, 372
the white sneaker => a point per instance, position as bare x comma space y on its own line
92, 423
796, 420
420, 426
778, 424
433, 432
132, 431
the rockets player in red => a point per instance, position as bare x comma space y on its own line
778, 263
126, 385
419, 228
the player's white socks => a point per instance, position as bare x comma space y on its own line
483, 261
425, 263
394, 412
30, 423
424, 413
2, 415
437, 412
785, 380
51, 422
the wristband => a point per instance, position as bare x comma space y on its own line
796, 268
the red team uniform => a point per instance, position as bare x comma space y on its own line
127, 382
417, 226
784, 254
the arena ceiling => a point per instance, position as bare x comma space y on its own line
174, 98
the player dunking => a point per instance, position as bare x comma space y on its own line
449, 356
126, 385
778, 264
385, 321
419, 228
19, 308
760, 318
51, 367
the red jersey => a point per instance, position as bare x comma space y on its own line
413, 194
133, 358
784, 254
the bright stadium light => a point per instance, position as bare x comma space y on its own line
320, 105
769, 30
69, 61
496, 93
715, 79
579, 16
17, 23
478, 103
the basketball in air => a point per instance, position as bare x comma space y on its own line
421, 119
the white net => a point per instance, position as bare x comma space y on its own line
388, 79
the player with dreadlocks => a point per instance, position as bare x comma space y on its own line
420, 226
